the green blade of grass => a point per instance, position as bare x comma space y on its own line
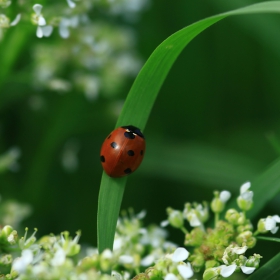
109, 202
139, 103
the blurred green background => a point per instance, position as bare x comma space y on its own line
212, 127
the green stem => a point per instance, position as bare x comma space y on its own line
217, 216
184, 230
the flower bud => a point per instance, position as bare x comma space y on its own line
245, 199
232, 252
211, 274
106, 260
6, 231
211, 263
175, 217
217, 205
261, 226
197, 262
232, 216
247, 226
246, 238
195, 237
254, 261
6, 260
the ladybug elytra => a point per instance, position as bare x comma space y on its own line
122, 151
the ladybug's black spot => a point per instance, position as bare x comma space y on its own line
109, 136
134, 130
127, 171
130, 153
102, 158
129, 135
142, 152
114, 145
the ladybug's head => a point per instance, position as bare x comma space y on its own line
134, 130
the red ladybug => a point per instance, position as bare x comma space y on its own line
122, 151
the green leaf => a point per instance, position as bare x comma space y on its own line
273, 239
139, 103
265, 187
271, 270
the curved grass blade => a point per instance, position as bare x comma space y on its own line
265, 187
139, 104
109, 203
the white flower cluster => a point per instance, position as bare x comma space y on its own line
96, 55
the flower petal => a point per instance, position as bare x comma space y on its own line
59, 257
193, 220
270, 223
225, 196
47, 30
276, 218
37, 8
247, 270
126, 259
39, 32
274, 230
170, 276
164, 223
41, 21
16, 20
239, 250
245, 187
226, 271
180, 254
148, 260
64, 31
185, 270
71, 4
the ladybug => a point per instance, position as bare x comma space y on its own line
122, 151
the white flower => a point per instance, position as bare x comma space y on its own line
270, 223
180, 254
5, 3
141, 215
59, 257
40, 20
5, 21
117, 244
71, 4
43, 30
193, 219
21, 263
245, 199
245, 187
126, 259
148, 260
64, 25
107, 254
184, 269
225, 196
